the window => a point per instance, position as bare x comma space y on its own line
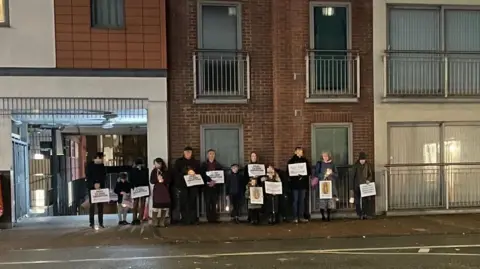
108, 13
220, 60
226, 140
333, 138
331, 63
3, 12
419, 35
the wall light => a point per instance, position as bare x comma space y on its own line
328, 11
38, 156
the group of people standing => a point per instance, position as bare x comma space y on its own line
171, 194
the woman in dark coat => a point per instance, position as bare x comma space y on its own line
161, 194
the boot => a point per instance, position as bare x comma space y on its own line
155, 221
328, 214
322, 211
163, 215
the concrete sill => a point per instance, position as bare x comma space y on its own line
427, 100
316, 100
220, 101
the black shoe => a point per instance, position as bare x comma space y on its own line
92, 226
120, 222
136, 222
101, 226
237, 220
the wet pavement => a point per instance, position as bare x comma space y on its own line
415, 242
431, 251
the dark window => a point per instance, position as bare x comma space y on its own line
108, 13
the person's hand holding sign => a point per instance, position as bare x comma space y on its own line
191, 172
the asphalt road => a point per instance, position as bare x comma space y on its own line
435, 252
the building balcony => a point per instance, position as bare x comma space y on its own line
221, 76
428, 76
332, 76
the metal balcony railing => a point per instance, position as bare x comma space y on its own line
221, 74
431, 74
433, 186
332, 74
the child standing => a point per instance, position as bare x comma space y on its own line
271, 200
123, 189
234, 191
253, 209
161, 194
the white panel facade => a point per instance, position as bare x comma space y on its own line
29, 41
405, 112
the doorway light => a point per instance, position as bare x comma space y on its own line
232, 11
328, 11
38, 156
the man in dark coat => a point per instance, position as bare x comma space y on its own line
139, 177
299, 185
188, 195
96, 179
211, 189
362, 173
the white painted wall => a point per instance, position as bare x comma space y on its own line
30, 39
402, 112
154, 89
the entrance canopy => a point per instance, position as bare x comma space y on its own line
65, 112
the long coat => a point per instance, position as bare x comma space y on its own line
320, 170
161, 193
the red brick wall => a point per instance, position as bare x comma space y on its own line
141, 45
276, 34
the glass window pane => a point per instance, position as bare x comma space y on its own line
226, 143
415, 73
330, 28
333, 140
219, 27
462, 144
414, 144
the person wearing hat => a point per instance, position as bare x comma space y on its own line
362, 174
187, 165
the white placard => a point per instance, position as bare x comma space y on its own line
100, 196
218, 176
325, 189
367, 190
256, 195
140, 191
297, 169
256, 170
273, 187
195, 180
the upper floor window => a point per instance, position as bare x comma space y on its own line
433, 51
3, 12
108, 13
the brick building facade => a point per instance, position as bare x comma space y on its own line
278, 113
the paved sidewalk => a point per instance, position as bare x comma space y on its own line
63, 237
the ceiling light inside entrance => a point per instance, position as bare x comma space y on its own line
328, 11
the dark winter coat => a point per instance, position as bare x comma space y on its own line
96, 173
180, 169
361, 173
299, 182
235, 184
139, 177
125, 187
161, 194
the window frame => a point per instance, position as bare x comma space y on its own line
319, 4
6, 14
238, 127
95, 25
347, 125
237, 5
440, 8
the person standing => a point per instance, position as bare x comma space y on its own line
326, 170
211, 189
140, 177
235, 189
362, 174
123, 190
299, 185
161, 194
96, 179
187, 165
